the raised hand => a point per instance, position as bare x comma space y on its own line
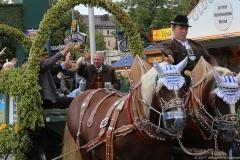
86, 55
67, 47
14, 61
2, 52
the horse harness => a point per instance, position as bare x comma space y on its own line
109, 121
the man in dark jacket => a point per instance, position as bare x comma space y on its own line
180, 47
48, 92
96, 75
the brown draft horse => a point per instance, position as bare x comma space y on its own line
212, 109
108, 125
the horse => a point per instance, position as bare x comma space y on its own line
212, 109
105, 124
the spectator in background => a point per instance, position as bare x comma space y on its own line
56, 70
7, 66
66, 81
10, 65
25, 63
48, 91
1, 64
77, 83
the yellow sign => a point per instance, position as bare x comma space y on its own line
158, 59
161, 34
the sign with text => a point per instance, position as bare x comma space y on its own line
161, 34
59, 47
157, 58
77, 36
223, 15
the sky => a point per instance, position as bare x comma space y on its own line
97, 11
84, 10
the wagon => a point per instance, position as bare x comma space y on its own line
47, 141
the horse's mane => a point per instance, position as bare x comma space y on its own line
220, 70
149, 88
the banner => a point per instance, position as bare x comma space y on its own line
161, 34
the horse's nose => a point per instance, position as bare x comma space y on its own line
227, 131
175, 121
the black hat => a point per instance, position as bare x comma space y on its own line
181, 21
44, 53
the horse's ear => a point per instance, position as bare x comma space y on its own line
180, 66
158, 68
238, 78
218, 78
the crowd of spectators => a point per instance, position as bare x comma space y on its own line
66, 78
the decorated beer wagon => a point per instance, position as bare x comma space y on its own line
22, 84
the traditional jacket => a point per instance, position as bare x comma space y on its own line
90, 73
45, 78
178, 51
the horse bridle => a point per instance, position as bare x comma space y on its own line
177, 115
225, 122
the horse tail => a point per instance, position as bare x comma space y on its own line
69, 145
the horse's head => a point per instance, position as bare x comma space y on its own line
168, 92
225, 102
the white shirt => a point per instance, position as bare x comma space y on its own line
190, 52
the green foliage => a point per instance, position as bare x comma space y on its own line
9, 141
23, 84
100, 43
127, 81
11, 15
16, 34
63, 27
75, 54
157, 13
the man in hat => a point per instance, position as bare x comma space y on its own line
180, 47
48, 91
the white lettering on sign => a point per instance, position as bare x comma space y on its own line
78, 36
223, 14
198, 11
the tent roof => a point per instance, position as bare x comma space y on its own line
121, 62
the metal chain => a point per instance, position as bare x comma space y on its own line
216, 143
144, 122
213, 119
193, 154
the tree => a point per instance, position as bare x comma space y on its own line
100, 43
63, 29
64, 25
155, 14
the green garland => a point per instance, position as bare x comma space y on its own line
13, 82
16, 34
23, 84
